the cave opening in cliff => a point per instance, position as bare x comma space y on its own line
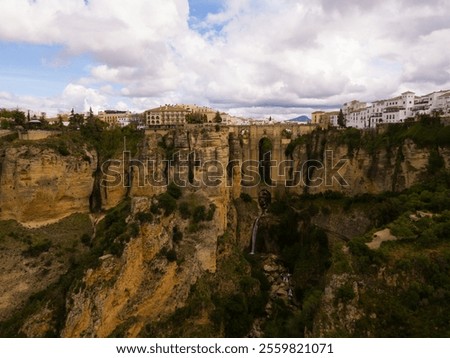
265, 155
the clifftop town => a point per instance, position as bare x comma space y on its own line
356, 114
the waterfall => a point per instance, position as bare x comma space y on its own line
254, 232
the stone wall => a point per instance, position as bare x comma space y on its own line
36, 134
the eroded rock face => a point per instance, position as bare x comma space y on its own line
144, 284
39, 185
123, 294
388, 169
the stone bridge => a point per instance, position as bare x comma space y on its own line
253, 156
255, 141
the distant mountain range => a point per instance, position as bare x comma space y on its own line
303, 119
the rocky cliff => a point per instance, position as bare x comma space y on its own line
161, 254
325, 163
145, 284
39, 185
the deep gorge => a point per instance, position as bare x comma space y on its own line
162, 255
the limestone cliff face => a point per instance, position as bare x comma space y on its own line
387, 169
38, 185
145, 284
124, 294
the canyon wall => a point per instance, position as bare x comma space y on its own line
38, 185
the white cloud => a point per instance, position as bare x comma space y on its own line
252, 54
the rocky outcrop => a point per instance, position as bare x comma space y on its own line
360, 171
154, 275
145, 283
38, 185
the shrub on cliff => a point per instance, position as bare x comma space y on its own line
144, 217
177, 235
199, 214
167, 203
185, 211
174, 190
37, 248
246, 198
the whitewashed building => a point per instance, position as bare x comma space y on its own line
395, 110
433, 102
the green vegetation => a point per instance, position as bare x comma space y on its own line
351, 137
294, 144
230, 300
144, 217
217, 118
113, 232
196, 118
177, 235
174, 191
168, 147
341, 119
246, 197
427, 131
408, 298
17, 116
61, 245
185, 210
37, 248
167, 203
201, 214
108, 142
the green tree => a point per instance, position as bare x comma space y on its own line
18, 116
5, 124
195, 118
91, 115
217, 118
341, 119
60, 121
76, 119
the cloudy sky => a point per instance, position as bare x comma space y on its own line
249, 57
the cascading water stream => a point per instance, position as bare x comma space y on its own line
254, 232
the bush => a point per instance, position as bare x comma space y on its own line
134, 229
86, 239
167, 203
246, 198
171, 255
177, 235
345, 293
292, 145
37, 248
435, 162
144, 217
185, 211
193, 227
199, 214
116, 229
62, 149
154, 208
350, 137
174, 190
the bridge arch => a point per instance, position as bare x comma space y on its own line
265, 154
